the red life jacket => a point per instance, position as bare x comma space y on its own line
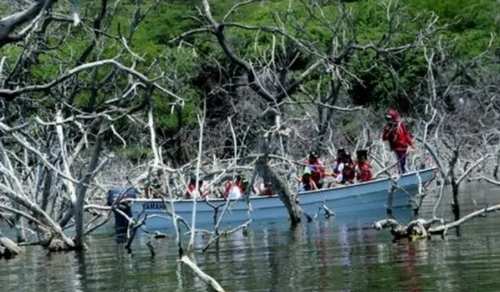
396, 134
348, 174
364, 171
267, 191
317, 170
190, 189
229, 186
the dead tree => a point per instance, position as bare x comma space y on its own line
459, 132
458, 151
280, 186
18, 25
322, 85
50, 157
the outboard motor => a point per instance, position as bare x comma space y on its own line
119, 193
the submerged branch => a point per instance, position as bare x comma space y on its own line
202, 275
443, 229
226, 233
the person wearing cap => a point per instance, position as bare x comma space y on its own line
316, 168
398, 136
363, 167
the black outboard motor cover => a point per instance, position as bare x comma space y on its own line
121, 223
115, 193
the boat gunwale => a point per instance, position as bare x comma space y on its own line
306, 193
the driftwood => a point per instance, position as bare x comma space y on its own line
443, 229
423, 229
202, 275
8, 248
416, 229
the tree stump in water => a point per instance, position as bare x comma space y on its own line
280, 187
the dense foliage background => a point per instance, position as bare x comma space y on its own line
199, 71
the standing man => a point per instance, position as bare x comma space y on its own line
398, 136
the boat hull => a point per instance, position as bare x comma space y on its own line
368, 200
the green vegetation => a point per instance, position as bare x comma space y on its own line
197, 69
467, 26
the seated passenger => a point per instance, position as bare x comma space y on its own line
348, 173
264, 189
152, 187
307, 183
234, 189
205, 189
191, 189
338, 165
363, 167
343, 167
316, 168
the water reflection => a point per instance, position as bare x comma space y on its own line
324, 255
80, 273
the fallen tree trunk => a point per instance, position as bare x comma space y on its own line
8, 248
423, 229
416, 229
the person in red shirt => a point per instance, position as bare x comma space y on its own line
363, 167
399, 138
316, 168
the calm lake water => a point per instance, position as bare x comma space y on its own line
318, 256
